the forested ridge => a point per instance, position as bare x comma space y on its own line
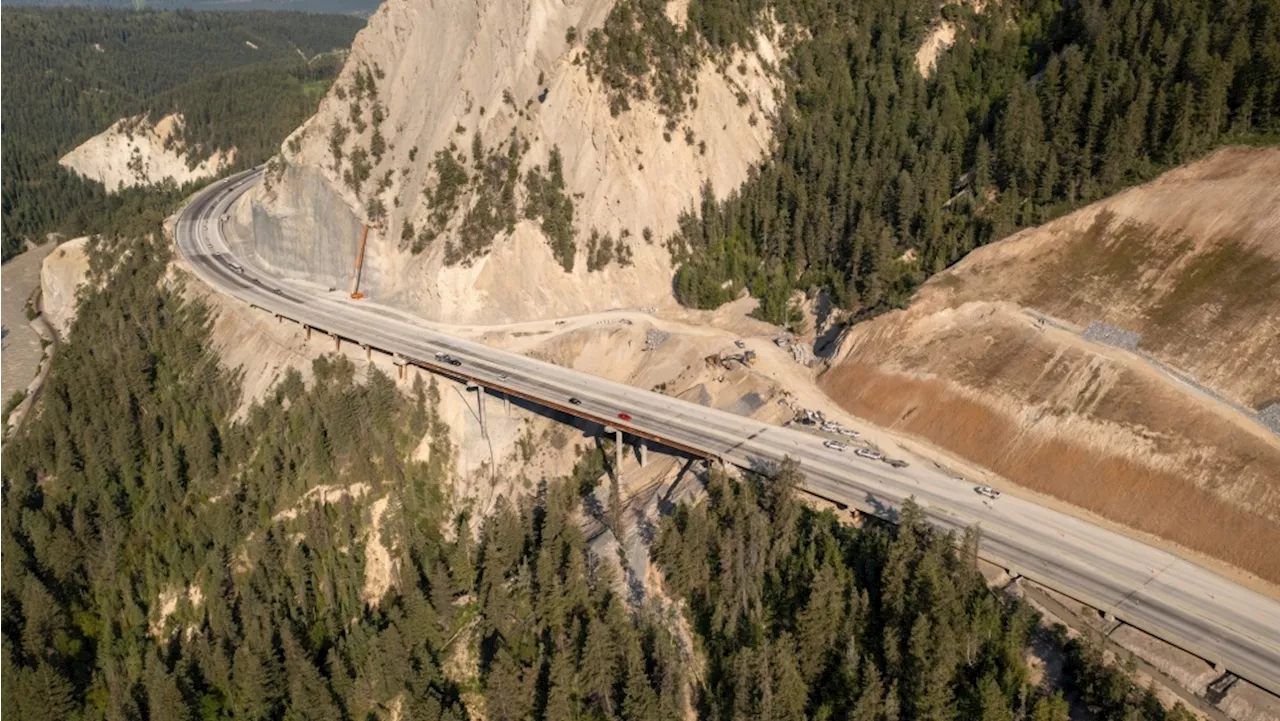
69, 73
164, 561
881, 177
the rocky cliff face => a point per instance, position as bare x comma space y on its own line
430, 134
133, 152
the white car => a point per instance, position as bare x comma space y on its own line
848, 432
835, 445
868, 453
987, 491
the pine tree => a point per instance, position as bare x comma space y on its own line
43, 694
255, 687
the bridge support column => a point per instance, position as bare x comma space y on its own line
642, 449
337, 343
479, 389
400, 366
308, 329
368, 351
617, 453
506, 404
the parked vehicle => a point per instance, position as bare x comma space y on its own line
987, 491
835, 445
848, 432
868, 453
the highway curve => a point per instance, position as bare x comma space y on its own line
1148, 588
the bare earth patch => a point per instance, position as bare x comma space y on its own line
134, 152
938, 40
989, 361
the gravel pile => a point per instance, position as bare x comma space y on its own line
1270, 417
654, 338
1100, 332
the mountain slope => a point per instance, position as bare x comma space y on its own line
1114, 358
70, 73
442, 131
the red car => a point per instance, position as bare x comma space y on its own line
625, 416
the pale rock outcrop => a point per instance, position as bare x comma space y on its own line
133, 152
61, 274
445, 71
939, 39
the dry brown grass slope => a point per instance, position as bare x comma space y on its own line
1192, 262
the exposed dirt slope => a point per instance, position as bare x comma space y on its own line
1157, 437
443, 73
134, 152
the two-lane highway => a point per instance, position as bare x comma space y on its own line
1146, 587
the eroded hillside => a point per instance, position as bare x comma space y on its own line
1115, 358
503, 180
133, 152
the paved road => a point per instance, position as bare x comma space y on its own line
1146, 587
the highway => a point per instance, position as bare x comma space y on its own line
1148, 588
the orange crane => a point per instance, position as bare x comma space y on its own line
355, 287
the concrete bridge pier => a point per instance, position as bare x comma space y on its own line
479, 389
642, 451
617, 451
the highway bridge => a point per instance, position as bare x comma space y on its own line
1221, 621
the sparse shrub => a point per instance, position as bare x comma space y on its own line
545, 198
600, 250
375, 210
337, 136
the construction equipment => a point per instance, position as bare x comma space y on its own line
726, 360
355, 287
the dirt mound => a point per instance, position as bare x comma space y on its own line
1113, 358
